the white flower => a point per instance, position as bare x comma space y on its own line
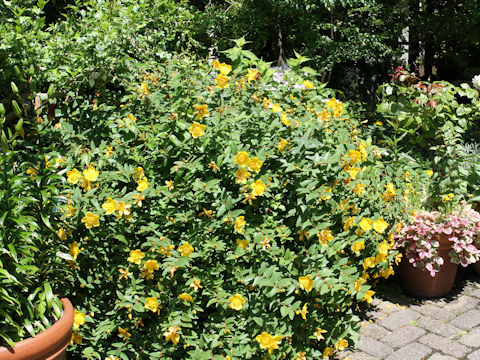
476, 82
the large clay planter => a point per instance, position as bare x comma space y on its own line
419, 282
47, 345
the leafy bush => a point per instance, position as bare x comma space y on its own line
213, 213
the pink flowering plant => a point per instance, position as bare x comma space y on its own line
420, 238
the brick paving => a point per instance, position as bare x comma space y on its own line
402, 327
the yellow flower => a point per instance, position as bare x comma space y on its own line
91, 174
77, 339
216, 64
362, 147
268, 341
349, 223
239, 224
222, 81
151, 304
308, 84
243, 244
276, 108
109, 151
242, 158
380, 225
359, 189
138, 199
197, 129
110, 206
319, 334
73, 250
252, 75
369, 263
281, 145
333, 104
325, 236
380, 258
354, 156
429, 173
327, 352
324, 116
258, 188
142, 184
123, 333
90, 220
368, 297
150, 266
284, 119
390, 192
301, 356
358, 246
73, 176
138, 173
338, 112
306, 283
224, 68
255, 164
111, 357
196, 284
78, 319
242, 175
303, 312
341, 345
352, 171
185, 249
365, 224
123, 209
62, 234
202, 111
136, 256
185, 297
236, 302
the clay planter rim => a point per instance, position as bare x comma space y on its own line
47, 344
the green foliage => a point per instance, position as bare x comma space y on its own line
162, 205
27, 237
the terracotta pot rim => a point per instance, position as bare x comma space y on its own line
47, 343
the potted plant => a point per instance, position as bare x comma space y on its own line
434, 244
35, 324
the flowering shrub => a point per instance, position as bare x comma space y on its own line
420, 238
208, 214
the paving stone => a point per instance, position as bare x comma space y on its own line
440, 302
387, 306
445, 345
471, 339
373, 330
361, 356
399, 319
462, 304
468, 320
403, 336
438, 327
434, 311
440, 357
373, 347
476, 293
413, 351
474, 356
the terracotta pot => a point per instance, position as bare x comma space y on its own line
419, 282
47, 345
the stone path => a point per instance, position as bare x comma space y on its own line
401, 327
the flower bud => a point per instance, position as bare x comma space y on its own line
14, 88
16, 108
